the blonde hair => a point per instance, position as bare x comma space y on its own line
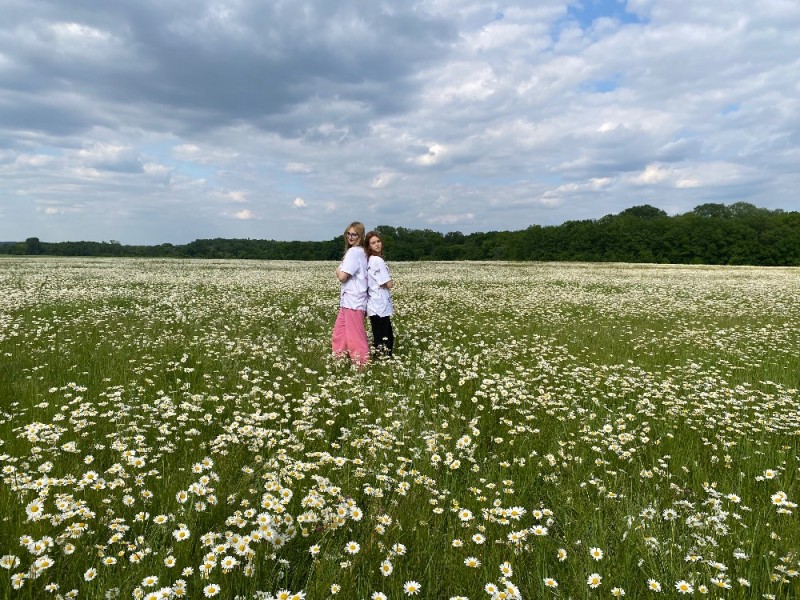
360, 229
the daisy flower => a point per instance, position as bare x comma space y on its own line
653, 585
472, 562
594, 580
411, 588
386, 568
352, 547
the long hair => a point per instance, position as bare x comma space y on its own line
360, 229
367, 249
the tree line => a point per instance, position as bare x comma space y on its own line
714, 234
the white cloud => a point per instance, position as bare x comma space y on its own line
297, 167
244, 215
236, 196
474, 115
382, 180
448, 218
433, 156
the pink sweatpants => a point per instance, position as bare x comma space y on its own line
350, 336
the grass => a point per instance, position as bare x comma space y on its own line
649, 412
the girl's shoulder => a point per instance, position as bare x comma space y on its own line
357, 251
376, 260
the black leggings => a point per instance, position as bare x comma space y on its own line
382, 334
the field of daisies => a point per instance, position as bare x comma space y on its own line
178, 429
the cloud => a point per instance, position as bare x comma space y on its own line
146, 121
297, 167
244, 215
382, 180
448, 219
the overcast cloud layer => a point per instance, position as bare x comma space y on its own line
154, 121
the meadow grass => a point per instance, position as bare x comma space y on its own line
178, 429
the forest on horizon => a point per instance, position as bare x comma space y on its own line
713, 234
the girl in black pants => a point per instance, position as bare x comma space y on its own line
379, 303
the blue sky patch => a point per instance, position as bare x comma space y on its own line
586, 12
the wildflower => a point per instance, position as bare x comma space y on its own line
550, 582
35, 510
181, 534
653, 585
314, 550
386, 568
779, 498
596, 553
511, 591
211, 590
18, 580
479, 538
457, 543
684, 587
335, 588
561, 554
150, 581
594, 580
472, 562
721, 582
506, 570
411, 588
378, 596
90, 574
352, 547
617, 592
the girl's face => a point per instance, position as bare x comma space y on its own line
352, 237
376, 245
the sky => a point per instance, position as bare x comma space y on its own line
166, 121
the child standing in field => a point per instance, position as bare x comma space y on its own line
349, 335
379, 304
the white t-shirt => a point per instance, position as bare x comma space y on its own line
353, 292
380, 298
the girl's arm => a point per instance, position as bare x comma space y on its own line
387, 284
341, 275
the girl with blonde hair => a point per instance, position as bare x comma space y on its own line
349, 335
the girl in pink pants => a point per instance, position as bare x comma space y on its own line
349, 335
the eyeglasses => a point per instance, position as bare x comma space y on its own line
350, 234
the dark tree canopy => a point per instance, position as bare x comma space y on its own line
738, 234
